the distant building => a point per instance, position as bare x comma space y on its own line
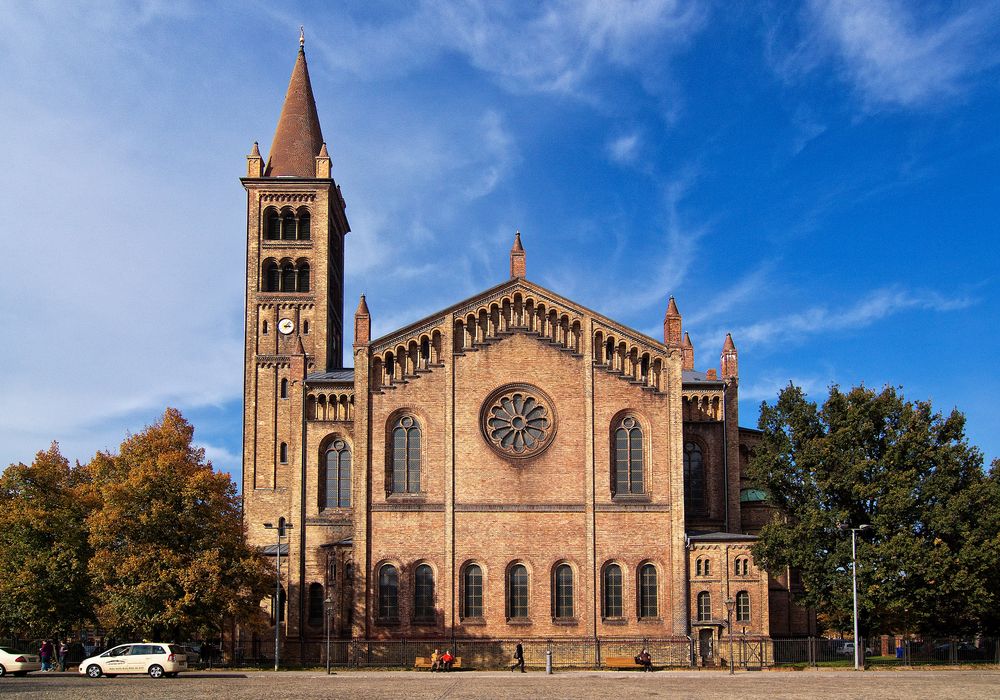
515, 465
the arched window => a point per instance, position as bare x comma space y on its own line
423, 594
649, 604
704, 606
288, 277
315, 604
271, 277
694, 478
303, 274
517, 592
745, 570
288, 226
741, 567
406, 456
612, 590
304, 222
305, 328
628, 457
708, 567
562, 592
272, 225
265, 328
472, 592
388, 593
284, 388
283, 453
743, 607
337, 476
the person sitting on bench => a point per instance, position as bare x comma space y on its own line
645, 660
436, 661
447, 660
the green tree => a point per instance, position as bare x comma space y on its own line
864, 457
170, 553
44, 553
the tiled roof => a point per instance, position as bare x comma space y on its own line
298, 138
333, 375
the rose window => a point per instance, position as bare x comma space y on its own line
518, 421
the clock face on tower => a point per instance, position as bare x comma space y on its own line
285, 326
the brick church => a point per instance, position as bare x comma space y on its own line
513, 466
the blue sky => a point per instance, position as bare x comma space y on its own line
818, 178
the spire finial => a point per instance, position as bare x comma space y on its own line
302, 37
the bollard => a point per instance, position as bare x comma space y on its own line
548, 661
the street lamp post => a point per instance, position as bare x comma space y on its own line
858, 647
281, 527
730, 603
327, 605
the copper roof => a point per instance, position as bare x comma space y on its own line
298, 138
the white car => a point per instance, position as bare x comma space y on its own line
18, 663
155, 658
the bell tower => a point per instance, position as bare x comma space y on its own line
296, 224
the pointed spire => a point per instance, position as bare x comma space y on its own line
672, 324
687, 352
255, 164
730, 359
672, 307
323, 153
362, 323
298, 138
362, 307
518, 259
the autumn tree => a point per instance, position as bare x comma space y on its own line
928, 563
170, 555
44, 551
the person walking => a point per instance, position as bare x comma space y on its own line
45, 655
518, 658
63, 653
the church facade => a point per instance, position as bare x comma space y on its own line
513, 466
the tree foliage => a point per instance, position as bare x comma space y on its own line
170, 557
44, 550
864, 457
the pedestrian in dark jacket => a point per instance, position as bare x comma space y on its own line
63, 653
518, 658
45, 653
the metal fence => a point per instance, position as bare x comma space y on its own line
749, 653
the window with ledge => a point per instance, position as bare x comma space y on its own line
283, 391
703, 567
472, 592
562, 593
405, 474
388, 593
337, 476
612, 590
741, 567
649, 607
704, 606
517, 592
743, 607
627, 476
694, 478
423, 594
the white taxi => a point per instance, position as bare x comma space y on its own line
155, 658
17, 663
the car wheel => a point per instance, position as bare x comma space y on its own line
156, 671
94, 671
3, 671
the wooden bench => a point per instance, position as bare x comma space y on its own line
621, 662
425, 662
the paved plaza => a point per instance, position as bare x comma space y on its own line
843, 684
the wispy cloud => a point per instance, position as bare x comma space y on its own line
550, 47
748, 286
623, 149
895, 55
879, 304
